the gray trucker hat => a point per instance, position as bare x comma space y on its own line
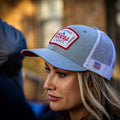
79, 48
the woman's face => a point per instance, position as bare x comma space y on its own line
63, 88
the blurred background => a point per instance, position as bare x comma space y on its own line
38, 20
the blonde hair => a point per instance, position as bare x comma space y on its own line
95, 92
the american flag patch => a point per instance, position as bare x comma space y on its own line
97, 65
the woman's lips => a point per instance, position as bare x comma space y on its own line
53, 98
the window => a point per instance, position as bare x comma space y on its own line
49, 19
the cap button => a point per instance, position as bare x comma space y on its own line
96, 28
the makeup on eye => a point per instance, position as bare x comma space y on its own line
61, 74
47, 69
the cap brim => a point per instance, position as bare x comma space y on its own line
54, 58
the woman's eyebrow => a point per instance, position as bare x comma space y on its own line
55, 68
48, 66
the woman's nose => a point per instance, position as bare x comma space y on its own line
49, 83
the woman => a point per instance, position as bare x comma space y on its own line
80, 61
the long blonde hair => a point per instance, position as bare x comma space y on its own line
95, 99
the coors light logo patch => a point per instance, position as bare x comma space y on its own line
64, 38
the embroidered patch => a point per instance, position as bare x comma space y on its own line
97, 65
64, 38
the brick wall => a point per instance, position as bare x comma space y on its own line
86, 12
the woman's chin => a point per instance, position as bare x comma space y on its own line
56, 108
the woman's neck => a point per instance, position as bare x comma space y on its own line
78, 113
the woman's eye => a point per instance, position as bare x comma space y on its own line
47, 70
61, 75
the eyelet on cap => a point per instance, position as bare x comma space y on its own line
96, 28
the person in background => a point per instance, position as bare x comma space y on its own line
13, 104
79, 61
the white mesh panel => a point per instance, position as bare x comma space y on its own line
103, 53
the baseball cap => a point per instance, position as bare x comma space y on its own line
79, 48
